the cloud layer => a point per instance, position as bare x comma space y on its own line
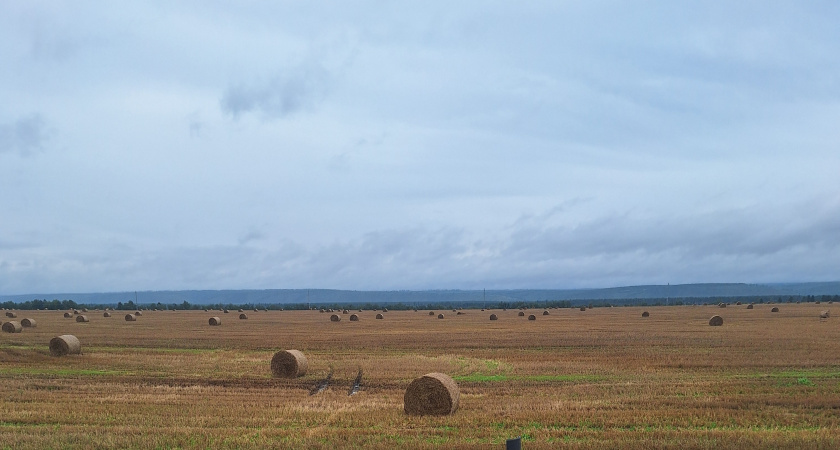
370, 146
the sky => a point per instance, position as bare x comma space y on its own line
377, 145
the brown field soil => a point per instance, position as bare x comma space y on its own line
600, 378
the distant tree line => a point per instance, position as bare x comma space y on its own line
401, 306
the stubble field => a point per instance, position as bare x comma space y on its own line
601, 378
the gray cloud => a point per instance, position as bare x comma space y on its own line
25, 136
288, 92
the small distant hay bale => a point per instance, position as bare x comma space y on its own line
738, 303
345, 311
335, 318
521, 314
434, 394
532, 317
384, 309
817, 302
380, 316
716, 321
84, 310
240, 310
774, 309
215, 321
749, 306
138, 313
256, 310
583, 308
67, 315
322, 310
76, 311
459, 313
645, 314
289, 364
106, 314
545, 313
11, 315
431, 313
354, 318
440, 316
82, 318
66, 344
28, 323
130, 318
823, 315
493, 317
225, 311
12, 327
722, 305
243, 316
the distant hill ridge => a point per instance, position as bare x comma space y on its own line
316, 296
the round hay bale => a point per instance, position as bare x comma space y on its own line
345, 312
716, 321
722, 305
384, 309
431, 313
645, 314
823, 315
521, 314
66, 344
440, 316
545, 313
130, 318
84, 310
289, 364
380, 316
67, 315
240, 310
106, 314
138, 313
432, 394
215, 321
493, 317
749, 306
738, 303
459, 313
774, 309
28, 323
12, 327
11, 315
583, 308
354, 318
532, 317
225, 311
243, 316
82, 318
335, 318
76, 311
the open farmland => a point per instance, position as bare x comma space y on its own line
600, 378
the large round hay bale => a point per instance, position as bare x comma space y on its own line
130, 318
106, 314
716, 321
82, 318
11, 315
532, 317
440, 316
67, 315
545, 313
215, 321
354, 318
521, 313
645, 314
66, 344
335, 318
12, 327
76, 311
431, 313
380, 316
243, 316
28, 323
289, 364
774, 309
138, 313
432, 394
493, 317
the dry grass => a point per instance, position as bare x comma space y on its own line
603, 379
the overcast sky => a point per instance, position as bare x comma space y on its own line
426, 145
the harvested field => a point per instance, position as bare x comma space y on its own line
604, 379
